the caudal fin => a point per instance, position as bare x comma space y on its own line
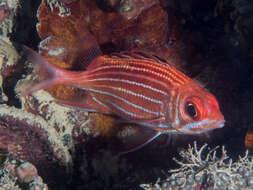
41, 74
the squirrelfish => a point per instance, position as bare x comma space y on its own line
138, 88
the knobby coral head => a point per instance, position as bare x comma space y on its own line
4, 11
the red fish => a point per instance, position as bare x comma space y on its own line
138, 88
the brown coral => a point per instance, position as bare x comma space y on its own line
87, 18
28, 138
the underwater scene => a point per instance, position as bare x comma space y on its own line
126, 94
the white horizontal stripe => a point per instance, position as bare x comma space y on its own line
133, 68
189, 126
99, 102
137, 95
170, 76
116, 106
162, 68
123, 90
129, 75
124, 111
129, 82
124, 100
151, 125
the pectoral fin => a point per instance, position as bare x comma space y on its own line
136, 137
150, 123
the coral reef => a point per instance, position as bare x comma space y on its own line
33, 142
202, 168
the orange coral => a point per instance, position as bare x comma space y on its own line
107, 27
249, 139
103, 124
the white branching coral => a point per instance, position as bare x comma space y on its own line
201, 168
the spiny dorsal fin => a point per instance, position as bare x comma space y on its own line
139, 55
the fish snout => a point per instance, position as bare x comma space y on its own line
221, 124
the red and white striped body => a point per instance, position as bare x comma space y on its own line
135, 89
148, 91
141, 89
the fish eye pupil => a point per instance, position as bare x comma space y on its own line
191, 110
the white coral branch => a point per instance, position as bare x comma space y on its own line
217, 172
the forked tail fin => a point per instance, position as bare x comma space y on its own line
42, 74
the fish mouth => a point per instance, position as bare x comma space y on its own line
199, 127
221, 124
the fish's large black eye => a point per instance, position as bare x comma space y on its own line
191, 110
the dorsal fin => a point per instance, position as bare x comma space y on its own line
139, 55
89, 47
